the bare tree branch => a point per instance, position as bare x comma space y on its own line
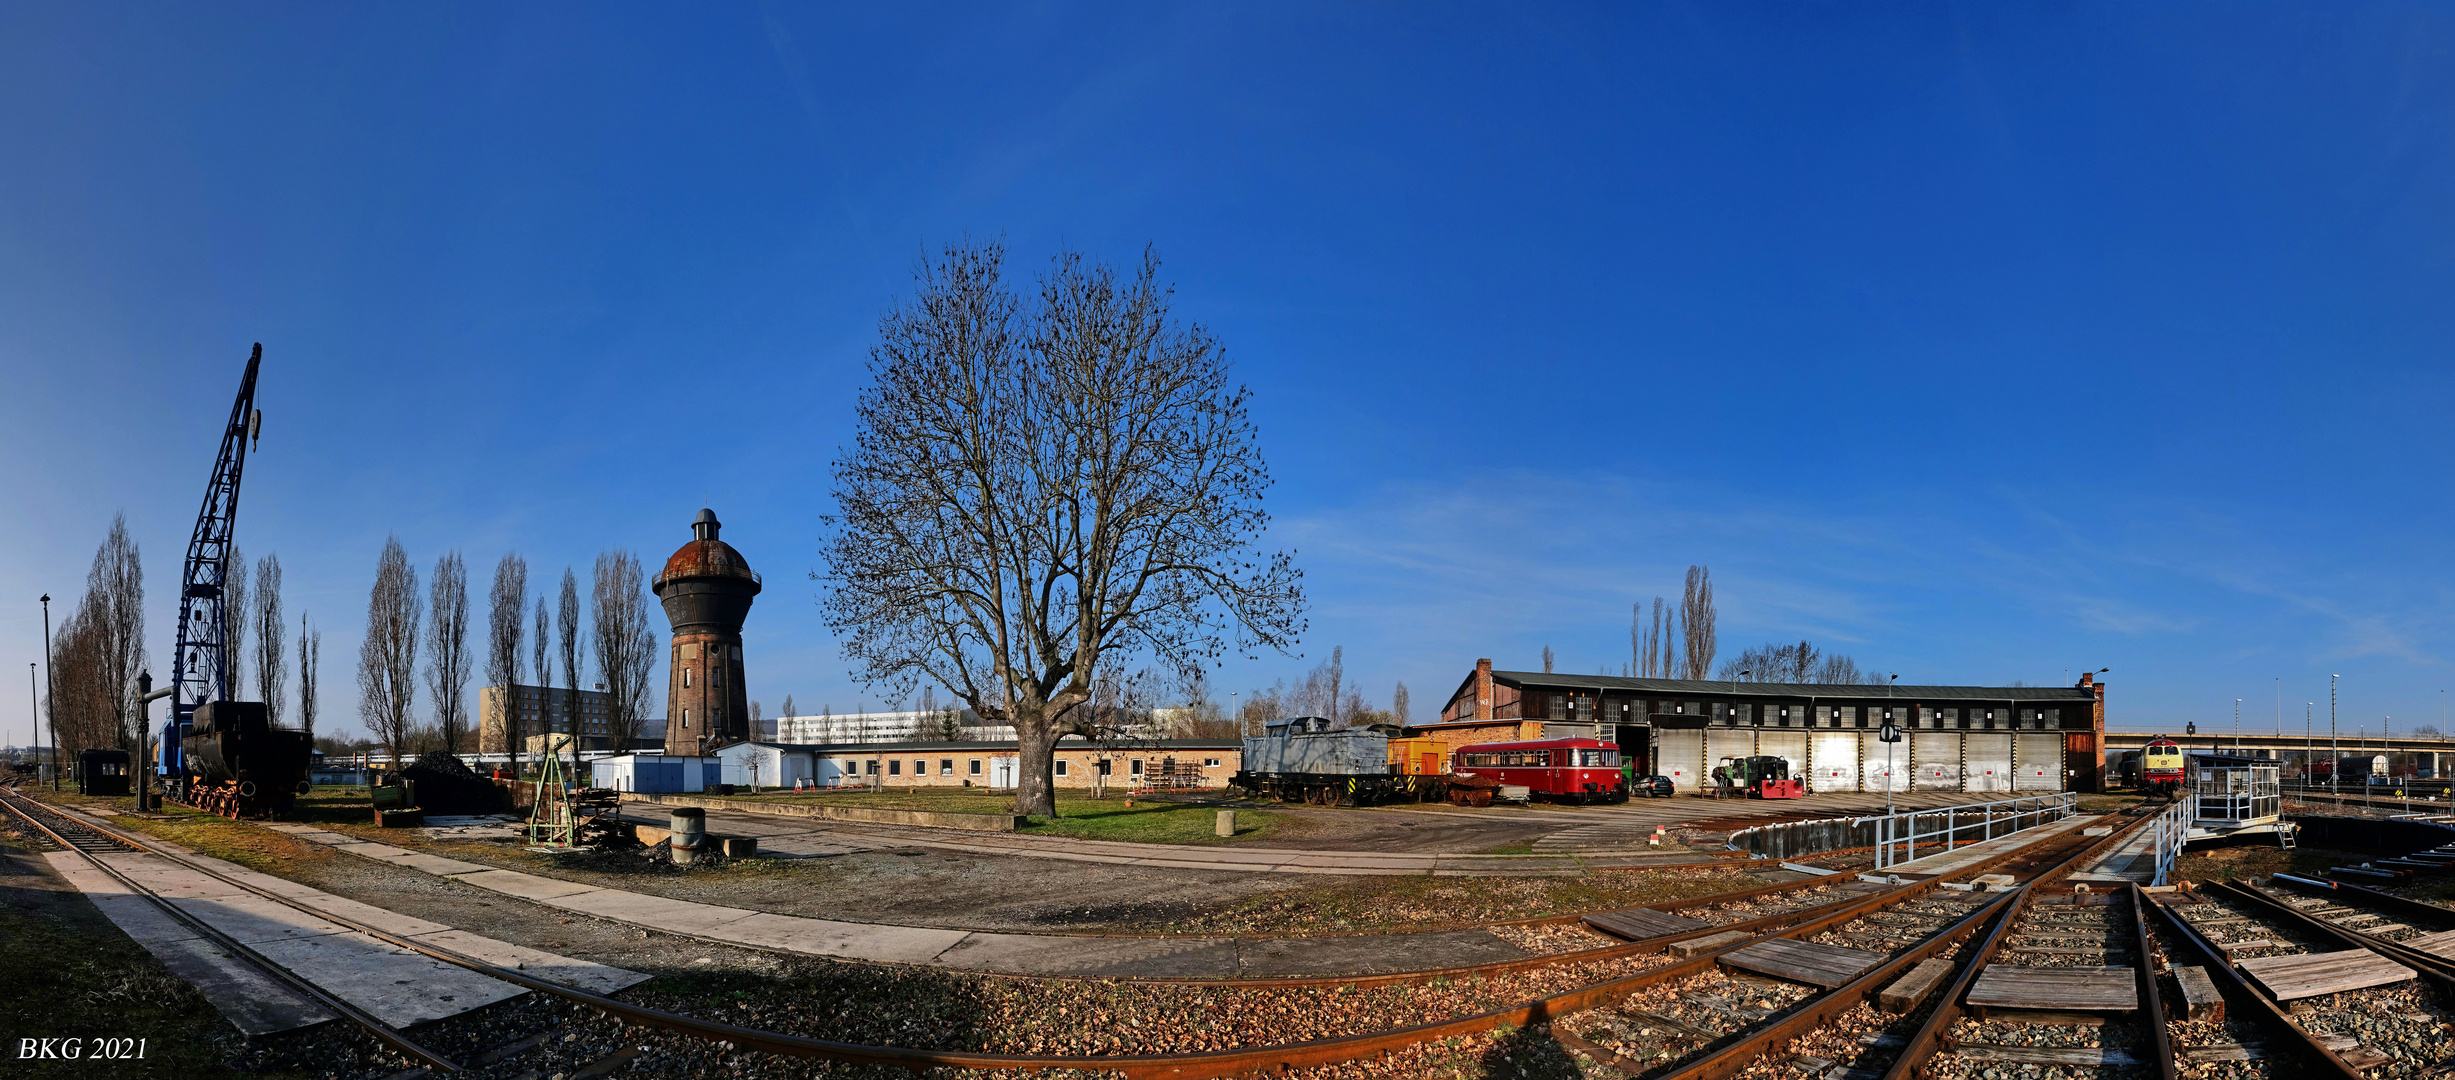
388, 658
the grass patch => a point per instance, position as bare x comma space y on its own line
246, 843
2248, 858
1081, 817
1436, 903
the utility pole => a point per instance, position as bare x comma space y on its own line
51, 699
34, 707
2335, 742
2237, 726
2310, 746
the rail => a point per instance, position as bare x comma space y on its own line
1896, 837
2168, 832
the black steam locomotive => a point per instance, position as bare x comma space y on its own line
236, 764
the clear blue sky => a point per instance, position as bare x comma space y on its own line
1984, 343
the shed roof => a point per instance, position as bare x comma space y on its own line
1540, 680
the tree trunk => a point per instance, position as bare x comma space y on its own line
1035, 775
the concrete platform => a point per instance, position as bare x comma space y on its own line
2134, 861
396, 985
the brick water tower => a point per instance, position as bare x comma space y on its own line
706, 589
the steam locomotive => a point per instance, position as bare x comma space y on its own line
230, 760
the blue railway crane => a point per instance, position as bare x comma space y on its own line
202, 663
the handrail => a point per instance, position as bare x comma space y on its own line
1967, 823
2167, 834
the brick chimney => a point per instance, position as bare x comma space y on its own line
1483, 689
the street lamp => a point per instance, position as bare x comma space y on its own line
2237, 725
2335, 743
51, 702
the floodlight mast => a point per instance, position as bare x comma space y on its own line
200, 668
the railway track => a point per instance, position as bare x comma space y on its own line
2345, 995
1911, 922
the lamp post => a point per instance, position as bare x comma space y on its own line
2335, 743
2237, 725
51, 710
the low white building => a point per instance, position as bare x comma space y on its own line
882, 727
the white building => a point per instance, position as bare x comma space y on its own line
879, 727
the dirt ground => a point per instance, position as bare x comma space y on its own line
1318, 829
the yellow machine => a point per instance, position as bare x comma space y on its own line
1418, 757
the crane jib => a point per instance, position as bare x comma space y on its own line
201, 664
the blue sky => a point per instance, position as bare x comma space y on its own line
1983, 343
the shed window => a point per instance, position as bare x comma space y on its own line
1210, 763
1061, 767
920, 767
873, 767
946, 766
1134, 767
1106, 766
895, 768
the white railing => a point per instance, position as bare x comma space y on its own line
2168, 833
1897, 837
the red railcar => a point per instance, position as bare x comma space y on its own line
1562, 770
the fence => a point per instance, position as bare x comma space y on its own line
1904, 832
2167, 834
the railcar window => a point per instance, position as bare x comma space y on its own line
1598, 759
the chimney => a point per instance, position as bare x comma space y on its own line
2088, 679
1483, 689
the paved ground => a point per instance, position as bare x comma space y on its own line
1628, 825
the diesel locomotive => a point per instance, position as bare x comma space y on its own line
230, 760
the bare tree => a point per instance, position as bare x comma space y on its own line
541, 650
116, 582
272, 660
237, 618
1696, 620
388, 658
1031, 501
758, 721
310, 661
506, 605
569, 623
1843, 671
1547, 659
447, 637
788, 707
625, 646
1398, 703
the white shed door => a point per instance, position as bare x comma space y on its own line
1887, 767
1935, 760
1679, 753
1834, 760
1001, 772
2040, 763
1990, 761
1790, 746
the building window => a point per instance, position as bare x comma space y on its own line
946, 766
1106, 766
873, 767
920, 767
895, 768
1210, 763
686, 678
1134, 767
686, 719
1061, 767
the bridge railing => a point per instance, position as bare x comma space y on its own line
2167, 834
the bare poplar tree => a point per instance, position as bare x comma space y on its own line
1547, 659
569, 624
388, 658
541, 650
238, 617
1398, 703
1033, 500
117, 584
788, 707
506, 605
310, 659
272, 660
1696, 620
447, 636
625, 645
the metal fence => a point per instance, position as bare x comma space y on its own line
2167, 834
1897, 837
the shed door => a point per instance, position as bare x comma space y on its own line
1935, 760
1990, 761
1790, 746
1834, 760
1682, 754
1887, 764
1727, 743
2039, 760
1001, 772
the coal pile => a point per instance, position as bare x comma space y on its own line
446, 786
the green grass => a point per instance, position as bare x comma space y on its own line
1078, 815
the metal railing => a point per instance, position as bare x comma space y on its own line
1974, 823
1897, 837
2167, 834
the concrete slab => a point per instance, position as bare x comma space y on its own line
655, 912
390, 922
254, 920
1093, 956
398, 986
438, 865
253, 1002
1369, 953
524, 886
827, 937
577, 974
